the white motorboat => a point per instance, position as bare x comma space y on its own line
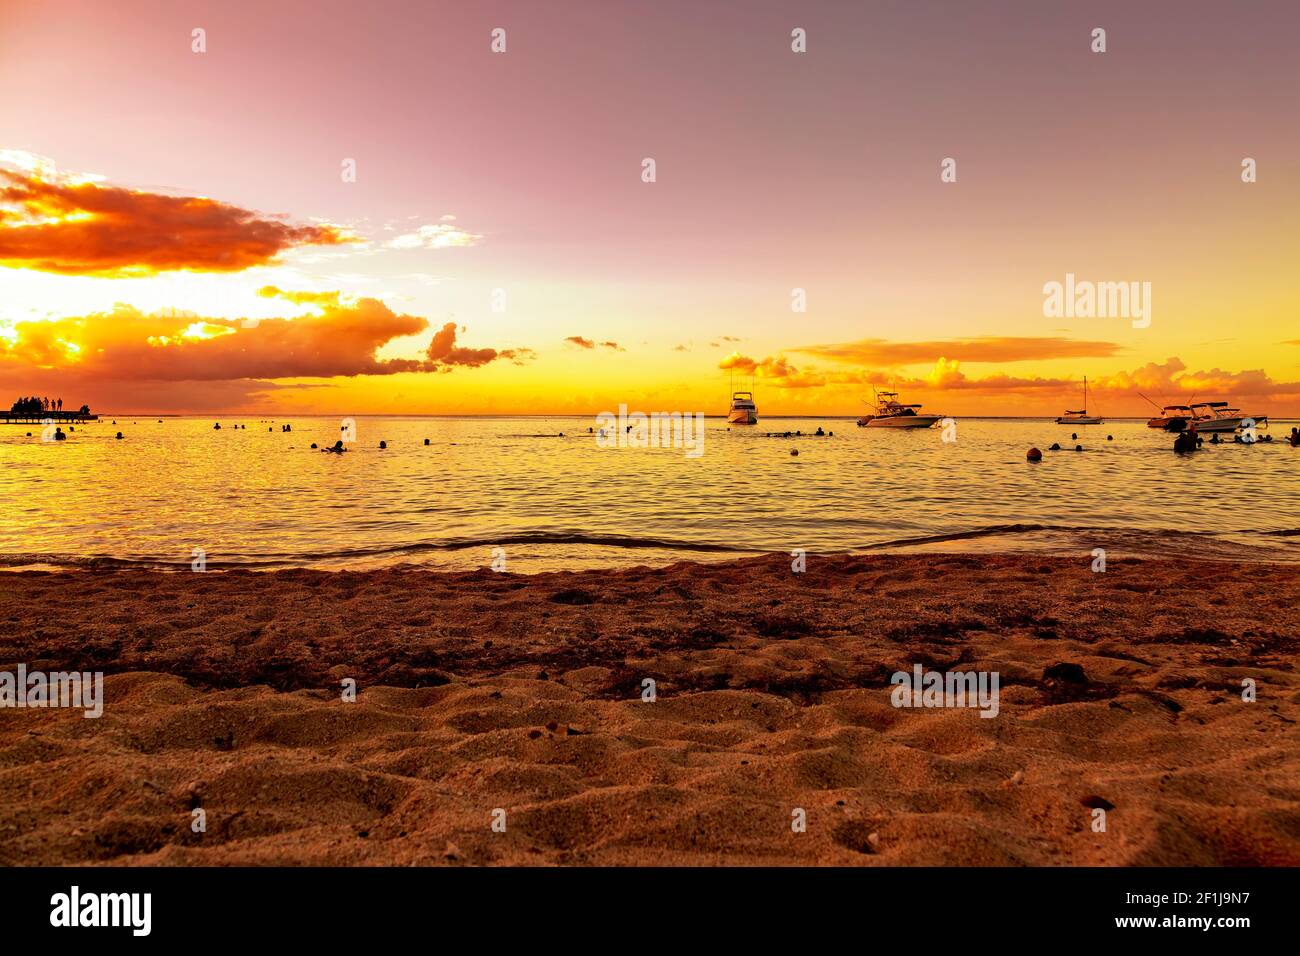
1221, 417
743, 410
891, 413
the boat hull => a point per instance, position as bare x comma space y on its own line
741, 416
902, 421
1173, 424
1085, 420
1218, 425
1229, 424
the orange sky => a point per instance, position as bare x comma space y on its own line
198, 246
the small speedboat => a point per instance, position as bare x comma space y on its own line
1172, 418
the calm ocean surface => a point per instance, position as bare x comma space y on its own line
263, 499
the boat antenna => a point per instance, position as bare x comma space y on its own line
1161, 407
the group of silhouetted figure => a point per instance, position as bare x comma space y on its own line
819, 433
1187, 441
1190, 441
335, 449
35, 405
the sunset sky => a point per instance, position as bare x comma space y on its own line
177, 235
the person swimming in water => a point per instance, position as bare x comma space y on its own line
336, 448
1294, 440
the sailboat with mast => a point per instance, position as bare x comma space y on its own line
1081, 416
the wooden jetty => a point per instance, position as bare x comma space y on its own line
39, 418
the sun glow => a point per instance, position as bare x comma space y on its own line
205, 330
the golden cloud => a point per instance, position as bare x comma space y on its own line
337, 340
980, 349
776, 370
1170, 378
54, 224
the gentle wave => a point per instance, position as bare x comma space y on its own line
259, 499
1170, 534
337, 556
1167, 541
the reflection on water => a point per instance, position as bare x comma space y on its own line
260, 497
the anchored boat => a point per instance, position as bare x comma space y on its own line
1172, 418
1221, 417
890, 413
743, 410
1080, 417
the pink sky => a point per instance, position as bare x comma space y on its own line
775, 170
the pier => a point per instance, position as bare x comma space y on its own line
39, 418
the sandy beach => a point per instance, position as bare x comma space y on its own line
480, 692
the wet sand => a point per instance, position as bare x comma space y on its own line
481, 692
